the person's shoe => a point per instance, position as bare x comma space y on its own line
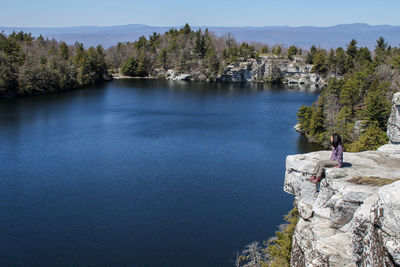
316, 180
312, 178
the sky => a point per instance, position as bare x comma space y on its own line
52, 13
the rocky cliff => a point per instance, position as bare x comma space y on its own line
270, 69
264, 69
352, 218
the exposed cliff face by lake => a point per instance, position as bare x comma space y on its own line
145, 172
264, 69
352, 217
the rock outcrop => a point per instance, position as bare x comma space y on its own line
393, 130
272, 69
351, 218
343, 223
264, 69
172, 75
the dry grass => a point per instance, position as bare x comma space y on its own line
373, 181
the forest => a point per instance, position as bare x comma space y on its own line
355, 103
34, 65
30, 65
184, 50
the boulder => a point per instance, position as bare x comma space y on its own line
390, 150
183, 77
158, 72
297, 127
170, 74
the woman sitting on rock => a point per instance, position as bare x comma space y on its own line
336, 159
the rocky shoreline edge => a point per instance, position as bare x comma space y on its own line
264, 69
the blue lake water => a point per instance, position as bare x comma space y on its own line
145, 172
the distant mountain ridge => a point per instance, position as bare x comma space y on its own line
303, 36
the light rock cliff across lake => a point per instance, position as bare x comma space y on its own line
343, 222
265, 69
271, 69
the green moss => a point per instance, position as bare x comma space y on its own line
372, 180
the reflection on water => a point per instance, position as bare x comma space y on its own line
145, 172
304, 147
225, 86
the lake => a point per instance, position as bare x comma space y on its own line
145, 172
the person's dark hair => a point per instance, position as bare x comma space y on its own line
336, 140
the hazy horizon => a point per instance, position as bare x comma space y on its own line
301, 36
287, 22
181, 25
233, 13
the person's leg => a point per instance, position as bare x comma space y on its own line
317, 168
323, 164
314, 173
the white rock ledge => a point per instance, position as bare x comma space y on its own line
342, 223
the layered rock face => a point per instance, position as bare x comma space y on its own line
264, 69
270, 69
393, 131
342, 222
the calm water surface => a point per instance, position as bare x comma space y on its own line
144, 173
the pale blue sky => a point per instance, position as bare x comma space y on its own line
51, 13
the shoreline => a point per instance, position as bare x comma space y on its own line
118, 76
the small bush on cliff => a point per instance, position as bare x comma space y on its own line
372, 139
275, 252
280, 247
292, 51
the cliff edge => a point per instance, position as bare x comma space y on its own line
352, 218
